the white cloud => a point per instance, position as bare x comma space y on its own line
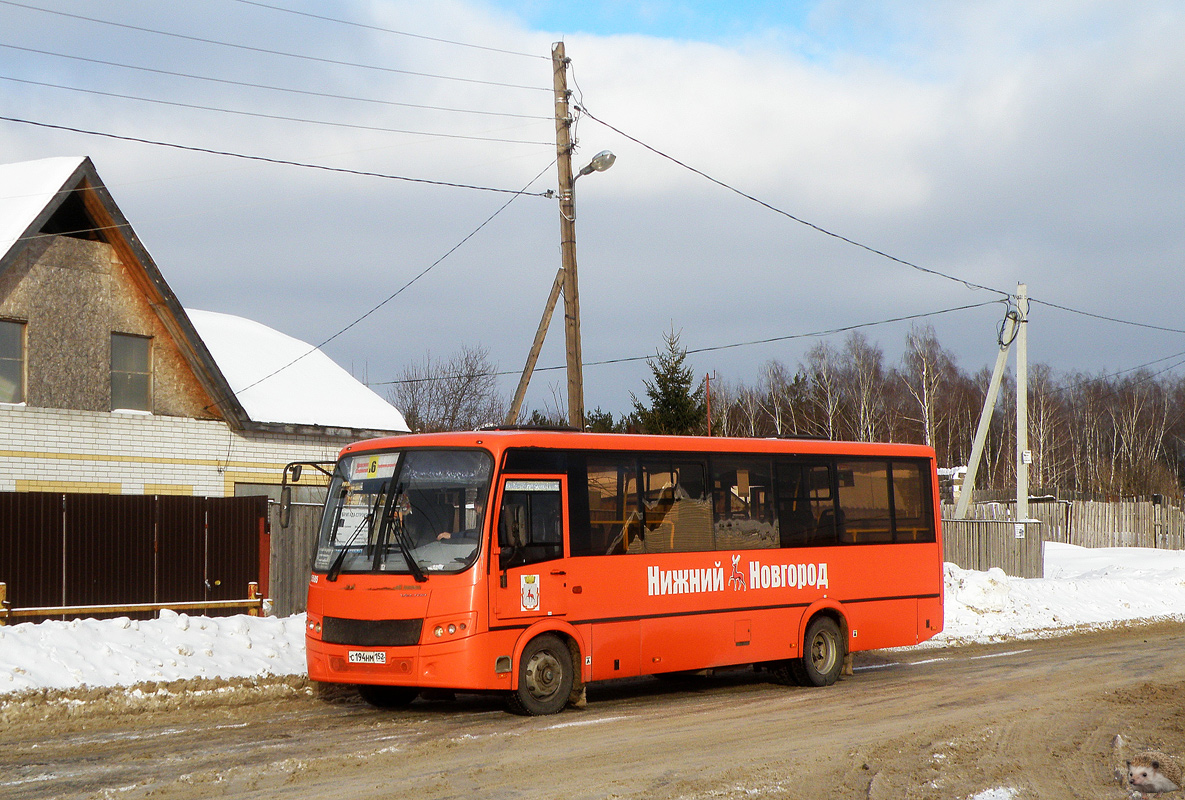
997, 141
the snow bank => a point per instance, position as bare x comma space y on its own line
1082, 588
124, 652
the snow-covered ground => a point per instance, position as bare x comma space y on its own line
1082, 589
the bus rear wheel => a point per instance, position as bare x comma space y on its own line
822, 654
545, 676
388, 696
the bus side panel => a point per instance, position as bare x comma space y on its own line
930, 619
676, 643
615, 650
882, 623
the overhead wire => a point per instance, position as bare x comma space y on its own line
969, 284
367, 26
285, 89
1105, 318
401, 289
277, 117
268, 51
268, 159
714, 348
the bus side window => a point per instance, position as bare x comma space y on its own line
744, 518
806, 507
529, 528
911, 513
676, 512
864, 502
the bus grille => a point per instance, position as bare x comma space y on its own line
371, 632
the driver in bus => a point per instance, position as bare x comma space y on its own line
472, 532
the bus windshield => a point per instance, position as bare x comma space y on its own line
404, 511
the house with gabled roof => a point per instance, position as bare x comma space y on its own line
107, 384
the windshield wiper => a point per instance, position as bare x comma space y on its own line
336, 567
390, 523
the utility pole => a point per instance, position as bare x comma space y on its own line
563, 147
1023, 456
521, 392
1014, 330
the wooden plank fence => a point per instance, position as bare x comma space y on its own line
293, 549
988, 537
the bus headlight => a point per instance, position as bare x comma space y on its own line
446, 628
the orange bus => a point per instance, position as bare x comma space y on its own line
531, 562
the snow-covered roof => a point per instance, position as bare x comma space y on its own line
27, 188
309, 388
232, 357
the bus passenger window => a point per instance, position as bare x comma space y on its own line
614, 519
864, 502
676, 512
744, 518
806, 506
911, 520
530, 528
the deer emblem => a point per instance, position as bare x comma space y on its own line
737, 579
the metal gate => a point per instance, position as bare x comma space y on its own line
95, 549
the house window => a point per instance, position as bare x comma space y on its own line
12, 361
131, 372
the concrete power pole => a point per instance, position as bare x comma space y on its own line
563, 146
1014, 331
1023, 456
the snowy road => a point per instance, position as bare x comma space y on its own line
1037, 716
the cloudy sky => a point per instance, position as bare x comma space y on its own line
991, 143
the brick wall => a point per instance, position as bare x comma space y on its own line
43, 449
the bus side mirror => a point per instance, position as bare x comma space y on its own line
296, 468
285, 506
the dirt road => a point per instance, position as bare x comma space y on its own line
1038, 717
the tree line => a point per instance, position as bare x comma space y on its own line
1090, 435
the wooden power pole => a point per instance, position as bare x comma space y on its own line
563, 147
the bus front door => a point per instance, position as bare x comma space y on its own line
530, 549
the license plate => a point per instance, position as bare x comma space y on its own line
367, 657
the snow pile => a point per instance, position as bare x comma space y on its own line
124, 652
1084, 588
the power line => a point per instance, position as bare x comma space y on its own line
787, 214
267, 51
402, 288
820, 229
1149, 326
391, 30
266, 159
286, 89
713, 348
271, 116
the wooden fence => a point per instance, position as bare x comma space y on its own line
293, 549
988, 537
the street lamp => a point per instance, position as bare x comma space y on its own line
566, 281
601, 162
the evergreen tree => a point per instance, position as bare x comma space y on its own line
675, 407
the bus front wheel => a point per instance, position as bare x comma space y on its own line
822, 654
545, 676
